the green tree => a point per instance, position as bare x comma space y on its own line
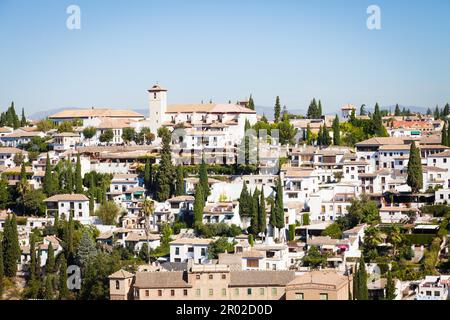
78, 177
245, 207
148, 176
251, 103
106, 136
363, 292
108, 212
444, 135
287, 132
199, 205
50, 263
11, 248
2, 273
390, 287
362, 110
203, 179
314, 258
63, 289
164, 178
33, 202
277, 110
279, 205
86, 250
49, 293
89, 132
313, 110
221, 245
292, 232
415, 177
262, 217
377, 122
397, 111
333, 230
4, 193
128, 135
309, 135
336, 132
65, 126
23, 121
254, 228
47, 182
179, 184
45, 125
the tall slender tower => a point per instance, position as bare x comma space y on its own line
158, 107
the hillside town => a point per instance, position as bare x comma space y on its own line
212, 201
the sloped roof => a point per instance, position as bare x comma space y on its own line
94, 112
208, 108
67, 197
171, 279
260, 278
121, 274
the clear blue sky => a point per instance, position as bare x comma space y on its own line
224, 50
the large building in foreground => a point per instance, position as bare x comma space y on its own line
95, 113
219, 282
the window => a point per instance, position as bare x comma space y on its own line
299, 296
437, 294
197, 277
159, 293
185, 292
203, 252
224, 276
261, 291
172, 293
236, 291
177, 251
224, 292
324, 296
197, 292
117, 284
147, 293
210, 292
79, 206
253, 263
249, 291
210, 277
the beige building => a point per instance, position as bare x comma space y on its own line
319, 285
201, 282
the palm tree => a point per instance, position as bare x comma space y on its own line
395, 237
148, 208
372, 237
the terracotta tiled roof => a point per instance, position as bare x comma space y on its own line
94, 112
67, 197
170, 279
208, 108
260, 278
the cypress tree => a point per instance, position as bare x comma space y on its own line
362, 110
390, 287
2, 272
336, 132
279, 204
415, 177
444, 135
377, 121
319, 110
23, 121
320, 136
69, 177
308, 135
313, 110
273, 215
251, 103
448, 135
63, 289
33, 266
78, 178
397, 111
70, 238
199, 205
255, 209
203, 179
48, 179
50, 263
363, 292
164, 178
49, 294
355, 282
436, 114
262, 218
148, 176
179, 186
11, 248
244, 206
326, 140
277, 110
